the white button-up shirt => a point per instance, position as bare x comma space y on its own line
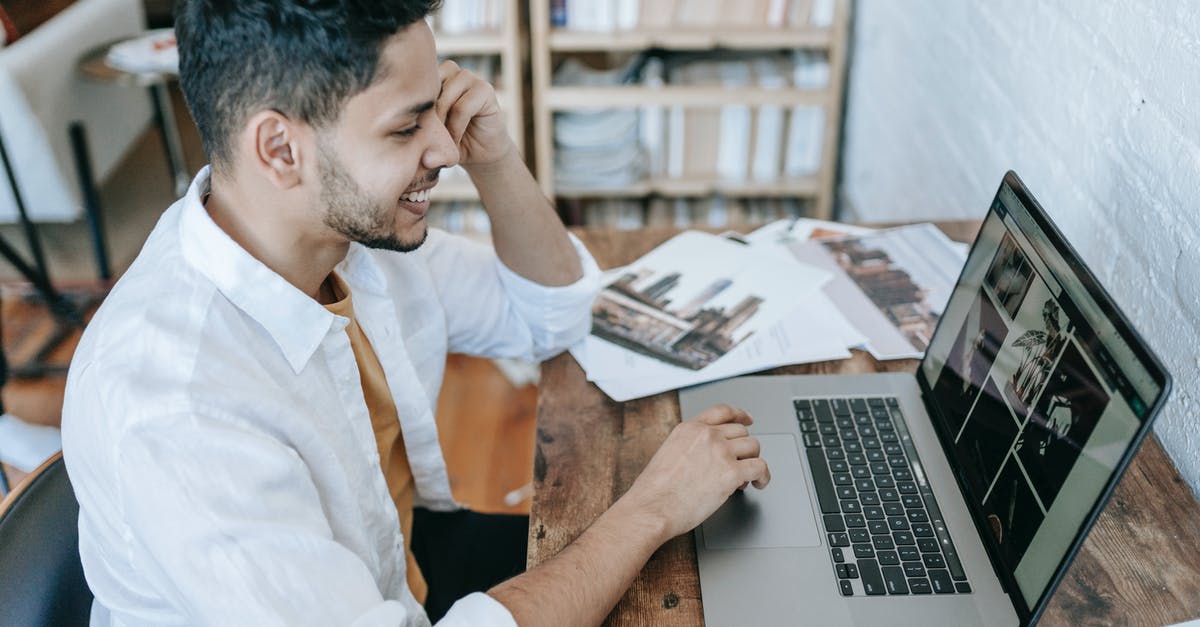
216, 435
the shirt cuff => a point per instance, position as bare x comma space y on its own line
477, 609
557, 316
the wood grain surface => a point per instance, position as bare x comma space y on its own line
1139, 566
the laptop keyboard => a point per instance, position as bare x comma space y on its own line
885, 531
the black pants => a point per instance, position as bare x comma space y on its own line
463, 552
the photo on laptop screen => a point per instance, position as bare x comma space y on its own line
1037, 391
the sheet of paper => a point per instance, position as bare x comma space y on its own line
687, 304
891, 285
815, 331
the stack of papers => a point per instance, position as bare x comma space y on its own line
152, 52
703, 307
597, 148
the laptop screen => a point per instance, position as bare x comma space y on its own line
1040, 387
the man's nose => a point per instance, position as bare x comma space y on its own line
442, 151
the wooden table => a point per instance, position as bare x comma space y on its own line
1139, 566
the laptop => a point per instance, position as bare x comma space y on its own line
957, 495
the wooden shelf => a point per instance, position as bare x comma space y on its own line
561, 40
807, 187
455, 190
567, 98
485, 42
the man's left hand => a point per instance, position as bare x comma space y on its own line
468, 107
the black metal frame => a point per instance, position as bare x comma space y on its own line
68, 316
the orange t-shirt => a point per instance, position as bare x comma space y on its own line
393, 458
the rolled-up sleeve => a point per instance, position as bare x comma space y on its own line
494, 312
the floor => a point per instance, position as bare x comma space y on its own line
486, 423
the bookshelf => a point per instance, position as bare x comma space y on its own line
550, 45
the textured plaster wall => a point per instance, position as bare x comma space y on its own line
1094, 103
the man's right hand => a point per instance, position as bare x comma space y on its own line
701, 463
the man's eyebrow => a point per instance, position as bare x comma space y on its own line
416, 109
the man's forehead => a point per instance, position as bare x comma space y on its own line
407, 80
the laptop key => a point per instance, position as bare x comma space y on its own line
856, 459
933, 560
878, 527
852, 446
835, 453
821, 482
812, 440
869, 441
962, 587
808, 426
839, 540
839, 465
841, 571
834, 523
875, 455
838, 556
917, 516
864, 485
802, 403
821, 409
887, 437
872, 579
844, 422
911, 500
884, 481
883, 543
941, 582
906, 487
892, 402
888, 494
842, 479
880, 468
914, 569
855, 521
831, 440
909, 553
868, 498
861, 472
863, 420
865, 550
887, 558
898, 462
922, 530
859, 536
904, 538
876, 402
840, 407
893, 578
893, 449
846, 588
826, 429
899, 524
854, 507
893, 509
919, 586
927, 545
873, 512
902, 474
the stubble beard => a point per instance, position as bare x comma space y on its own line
351, 212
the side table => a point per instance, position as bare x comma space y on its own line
94, 67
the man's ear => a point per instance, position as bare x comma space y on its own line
276, 152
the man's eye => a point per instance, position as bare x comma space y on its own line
408, 132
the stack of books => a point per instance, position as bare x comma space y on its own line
625, 15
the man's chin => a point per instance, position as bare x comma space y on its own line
396, 243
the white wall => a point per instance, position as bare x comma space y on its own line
1094, 103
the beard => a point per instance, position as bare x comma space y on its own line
353, 213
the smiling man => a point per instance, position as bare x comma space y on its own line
249, 417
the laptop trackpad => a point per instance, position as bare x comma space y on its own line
779, 516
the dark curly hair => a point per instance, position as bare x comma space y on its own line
303, 58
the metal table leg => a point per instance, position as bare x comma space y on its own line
164, 114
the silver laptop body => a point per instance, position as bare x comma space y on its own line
1014, 500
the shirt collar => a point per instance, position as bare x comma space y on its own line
296, 322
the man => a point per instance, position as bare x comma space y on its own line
280, 341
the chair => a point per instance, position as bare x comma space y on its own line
41, 577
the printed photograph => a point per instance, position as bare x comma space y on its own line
1061, 423
654, 314
1009, 276
1036, 350
889, 285
1012, 512
988, 435
970, 358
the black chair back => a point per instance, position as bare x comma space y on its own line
41, 577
